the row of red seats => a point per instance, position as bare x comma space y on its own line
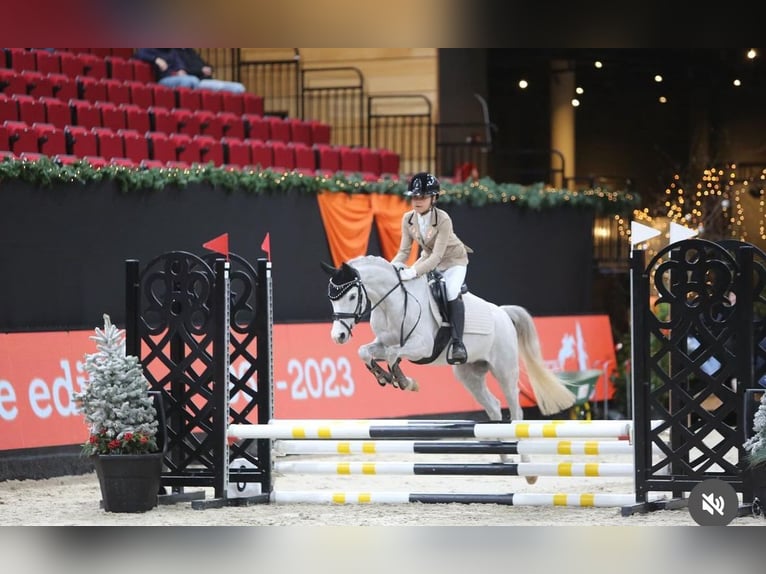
74, 64
102, 52
36, 84
129, 116
77, 141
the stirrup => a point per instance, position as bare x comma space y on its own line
456, 354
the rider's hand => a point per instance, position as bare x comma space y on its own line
407, 274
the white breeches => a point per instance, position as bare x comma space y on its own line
454, 277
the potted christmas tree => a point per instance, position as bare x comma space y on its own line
122, 420
755, 447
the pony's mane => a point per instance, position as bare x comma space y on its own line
371, 263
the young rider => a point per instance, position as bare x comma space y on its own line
431, 228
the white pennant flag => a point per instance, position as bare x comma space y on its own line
679, 232
640, 233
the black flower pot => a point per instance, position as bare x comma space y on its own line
129, 482
756, 477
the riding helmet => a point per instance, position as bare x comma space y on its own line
423, 185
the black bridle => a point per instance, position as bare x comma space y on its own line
363, 305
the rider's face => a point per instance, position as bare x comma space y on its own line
421, 204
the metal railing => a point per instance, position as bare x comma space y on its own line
402, 124
335, 96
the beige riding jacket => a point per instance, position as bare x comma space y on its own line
440, 248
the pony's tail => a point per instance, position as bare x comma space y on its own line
552, 394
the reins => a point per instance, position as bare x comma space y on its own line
337, 291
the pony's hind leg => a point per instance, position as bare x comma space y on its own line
508, 377
473, 378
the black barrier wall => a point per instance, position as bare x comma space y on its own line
64, 249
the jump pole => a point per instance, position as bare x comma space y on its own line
514, 430
600, 499
528, 446
564, 468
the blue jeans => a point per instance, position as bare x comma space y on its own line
187, 81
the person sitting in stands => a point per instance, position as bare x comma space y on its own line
184, 68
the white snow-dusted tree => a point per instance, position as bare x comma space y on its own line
115, 401
755, 446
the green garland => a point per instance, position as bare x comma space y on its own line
46, 173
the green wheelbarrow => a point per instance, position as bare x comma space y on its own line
582, 384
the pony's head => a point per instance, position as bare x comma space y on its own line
349, 299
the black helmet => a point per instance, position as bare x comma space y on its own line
423, 185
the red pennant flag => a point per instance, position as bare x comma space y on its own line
219, 244
266, 246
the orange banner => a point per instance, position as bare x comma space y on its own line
313, 378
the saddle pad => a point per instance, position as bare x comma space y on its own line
478, 316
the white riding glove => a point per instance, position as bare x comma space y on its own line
407, 273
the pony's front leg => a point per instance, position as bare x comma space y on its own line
401, 380
370, 355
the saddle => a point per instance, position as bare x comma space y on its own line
438, 288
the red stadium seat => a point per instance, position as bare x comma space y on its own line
91, 89
31, 109
142, 71
57, 112
279, 129
186, 149
47, 62
256, 128
233, 103
163, 97
119, 68
65, 159
80, 141
236, 151
135, 145
71, 64
37, 84
117, 91
211, 100
320, 132
210, 149
189, 98
231, 125
252, 104
300, 131
162, 120
305, 159
112, 116
261, 154
122, 162
187, 122
160, 147
21, 138
151, 164
140, 94
9, 109
328, 158
12, 82
284, 155
85, 114
389, 162
96, 161
51, 140
136, 118
209, 123
370, 161
22, 59
110, 143
64, 87
350, 159
93, 66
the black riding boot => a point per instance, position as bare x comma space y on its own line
457, 354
